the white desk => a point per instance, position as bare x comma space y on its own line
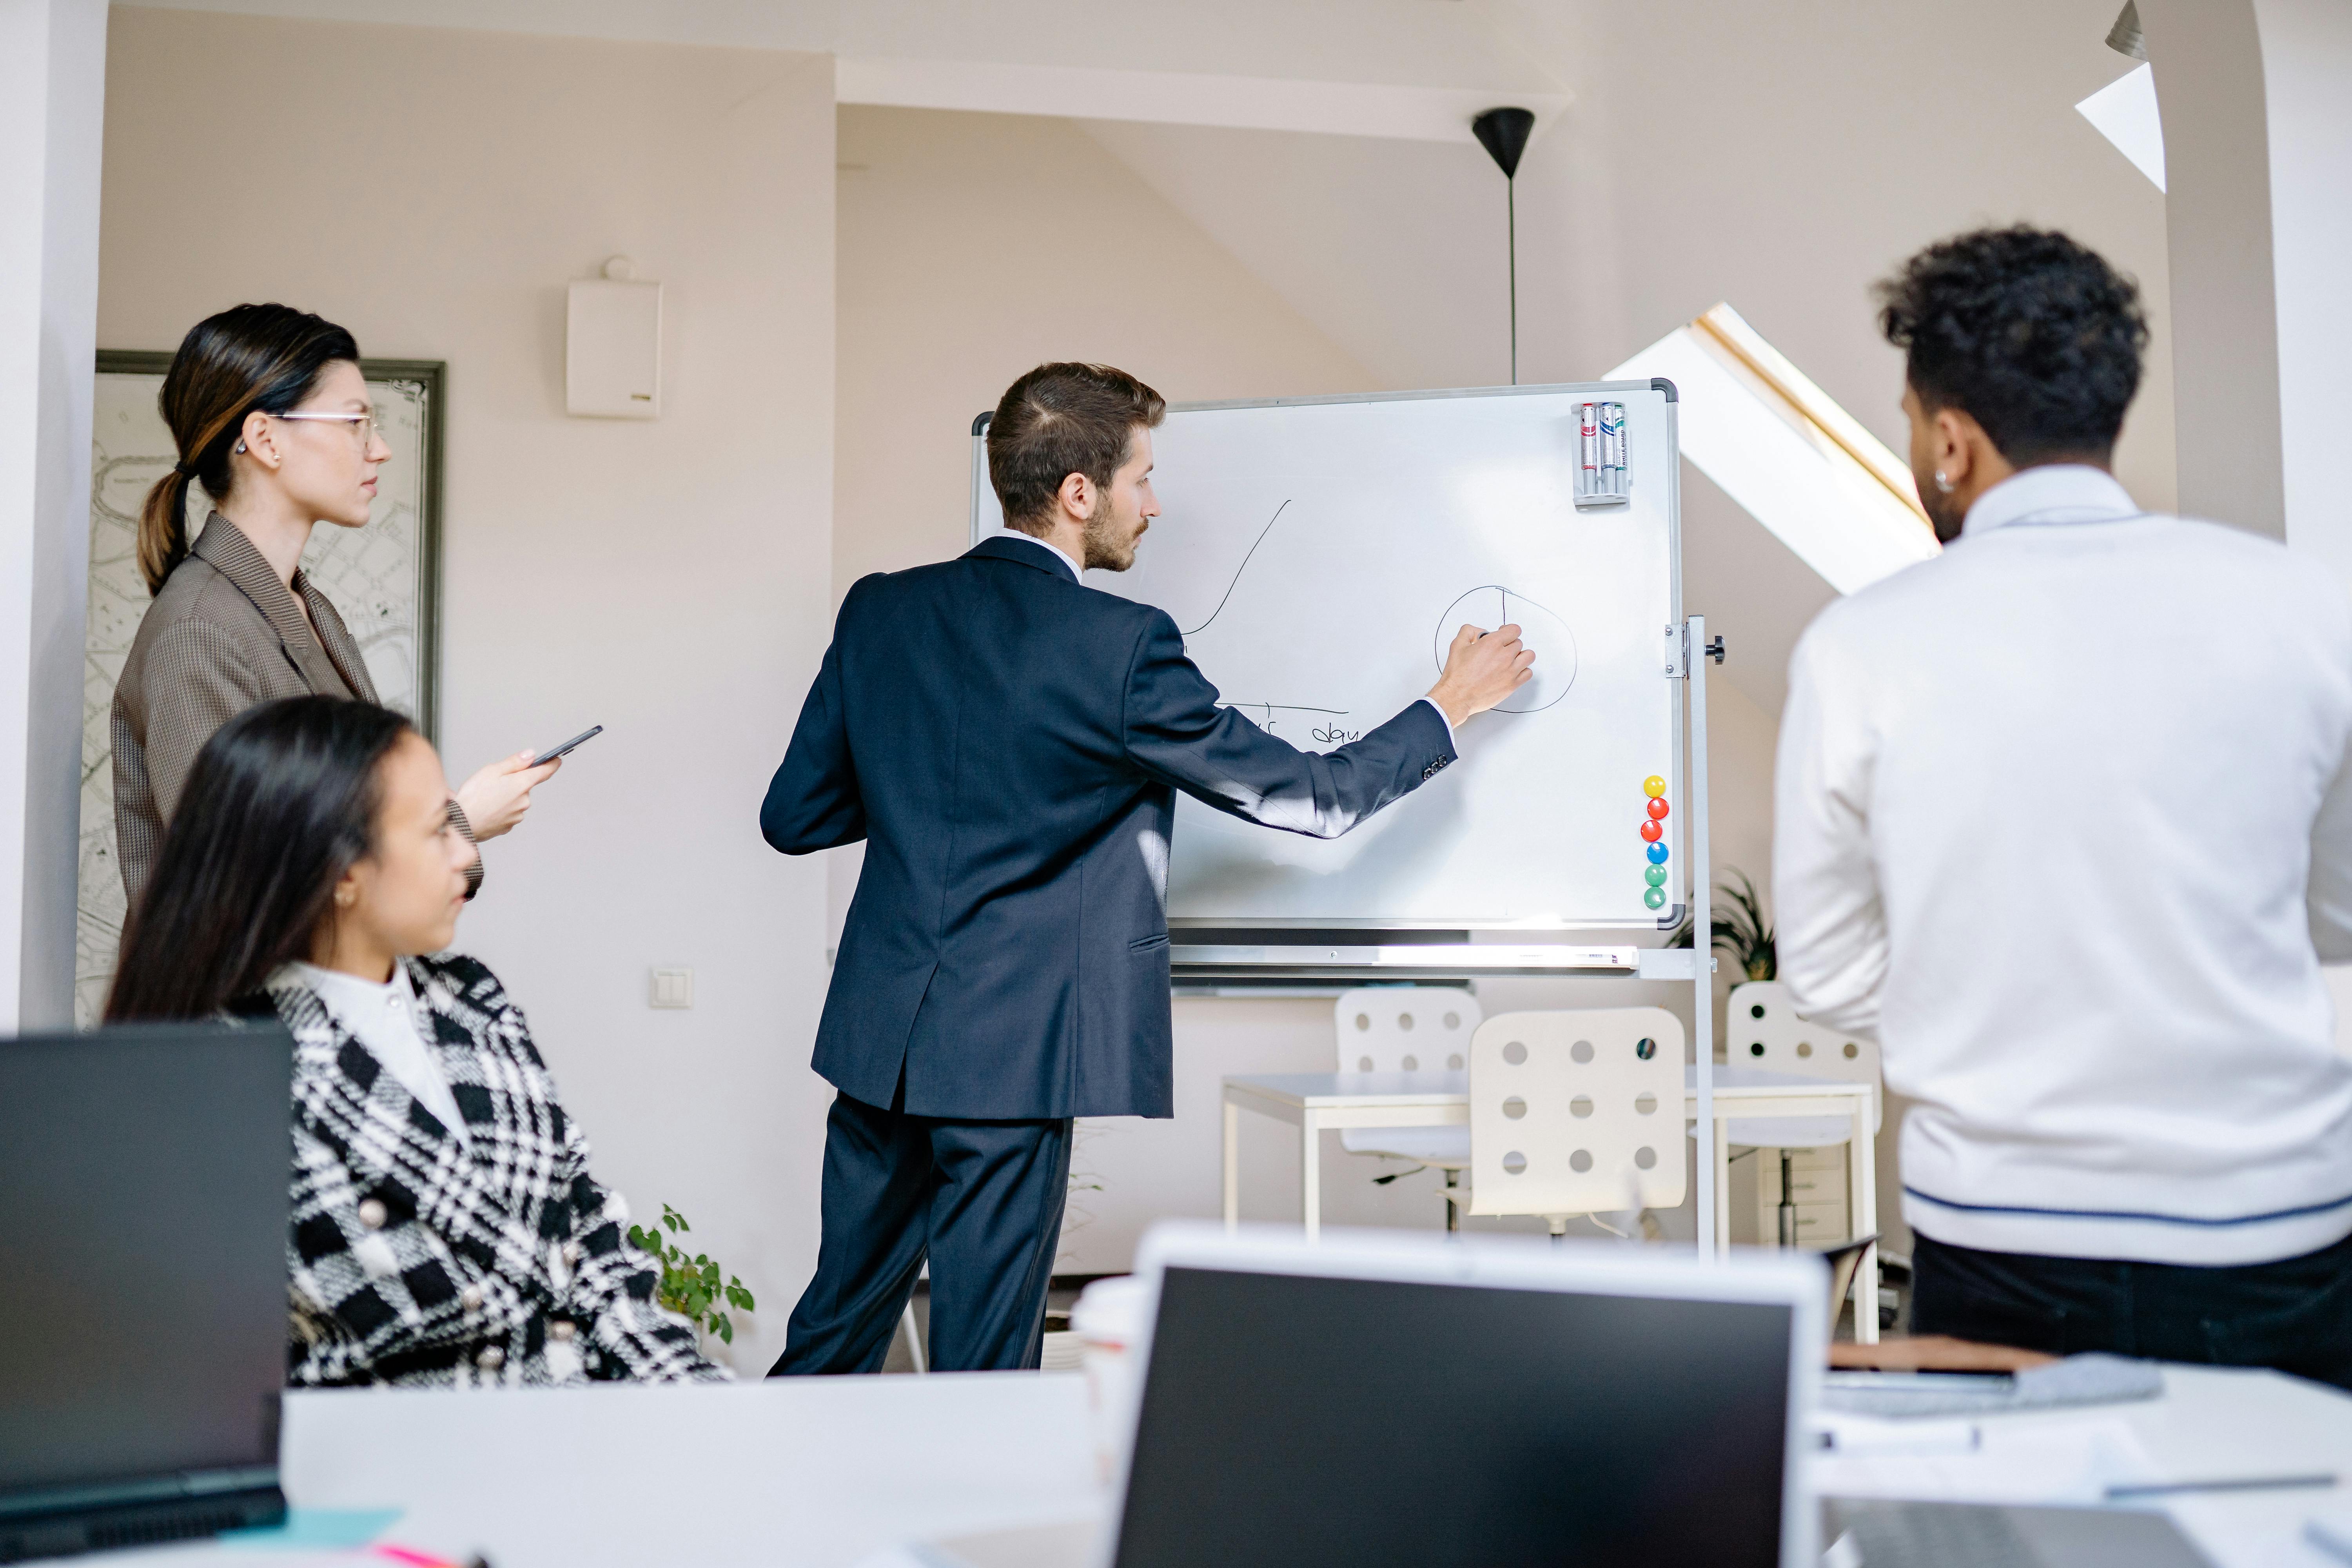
1315, 1102
821, 1472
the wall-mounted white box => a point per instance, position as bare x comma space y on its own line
611, 350
671, 988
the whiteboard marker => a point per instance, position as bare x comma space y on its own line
1612, 447
1589, 416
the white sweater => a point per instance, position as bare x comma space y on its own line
2062, 815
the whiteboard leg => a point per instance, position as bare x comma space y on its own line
1714, 1221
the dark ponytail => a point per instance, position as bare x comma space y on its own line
281, 802
265, 357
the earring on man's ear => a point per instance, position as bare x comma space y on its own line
240, 448
1942, 483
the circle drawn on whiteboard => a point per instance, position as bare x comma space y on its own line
1555, 645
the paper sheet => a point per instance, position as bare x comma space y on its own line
2068, 1462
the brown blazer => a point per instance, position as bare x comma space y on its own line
224, 635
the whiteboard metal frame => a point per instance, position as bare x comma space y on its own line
1685, 655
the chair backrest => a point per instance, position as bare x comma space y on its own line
1761, 1029
1405, 1028
1576, 1113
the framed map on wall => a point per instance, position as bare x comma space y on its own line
385, 579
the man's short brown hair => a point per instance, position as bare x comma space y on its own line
1059, 420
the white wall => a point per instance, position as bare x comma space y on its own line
435, 191
52, 97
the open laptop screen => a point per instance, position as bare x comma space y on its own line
142, 1268
1291, 1419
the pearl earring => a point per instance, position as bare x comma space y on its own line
1942, 483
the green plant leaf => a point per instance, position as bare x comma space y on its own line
726, 1329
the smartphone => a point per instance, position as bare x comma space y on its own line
585, 736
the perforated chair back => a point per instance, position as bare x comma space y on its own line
1405, 1028
1576, 1113
1761, 1029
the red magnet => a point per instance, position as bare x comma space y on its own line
1652, 831
1657, 808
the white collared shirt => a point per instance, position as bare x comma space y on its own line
384, 1018
2064, 821
1077, 571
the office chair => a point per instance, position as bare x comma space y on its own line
1408, 1030
1576, 1113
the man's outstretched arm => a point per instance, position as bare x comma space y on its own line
1176, 731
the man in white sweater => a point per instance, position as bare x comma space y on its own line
2064, 822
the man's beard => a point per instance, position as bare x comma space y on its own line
1109, 546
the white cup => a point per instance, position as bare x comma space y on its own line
1109, 1319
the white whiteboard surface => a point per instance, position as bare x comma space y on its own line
1319, 553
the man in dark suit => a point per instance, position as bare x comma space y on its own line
1009, 743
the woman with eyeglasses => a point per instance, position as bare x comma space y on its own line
443, 1228
271, 417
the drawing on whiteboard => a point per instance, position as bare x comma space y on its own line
1237, 578
1493, 605
1329, 735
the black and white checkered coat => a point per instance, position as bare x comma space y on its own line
420, 1258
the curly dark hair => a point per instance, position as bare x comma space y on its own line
2031, 334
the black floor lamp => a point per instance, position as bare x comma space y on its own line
1503, 133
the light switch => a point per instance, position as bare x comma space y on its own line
672, 988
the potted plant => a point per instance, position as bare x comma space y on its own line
690, 1286
1739, 931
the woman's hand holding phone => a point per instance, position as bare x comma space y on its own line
495, 799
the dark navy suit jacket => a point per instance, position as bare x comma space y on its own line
1009, 743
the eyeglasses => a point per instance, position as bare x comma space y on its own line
363, 426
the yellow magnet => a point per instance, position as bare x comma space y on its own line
1653, 786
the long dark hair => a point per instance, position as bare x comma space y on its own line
281, 802
265, 357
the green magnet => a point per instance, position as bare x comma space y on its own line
1654, 897
1656, 875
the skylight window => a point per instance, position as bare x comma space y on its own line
1787, 453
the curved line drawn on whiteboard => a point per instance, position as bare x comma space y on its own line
1492, 604
1237, 582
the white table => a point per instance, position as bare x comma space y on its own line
821, 1472
1315, 1102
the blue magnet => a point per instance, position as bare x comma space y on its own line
1658, 853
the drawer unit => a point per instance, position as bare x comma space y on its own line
1817, 1179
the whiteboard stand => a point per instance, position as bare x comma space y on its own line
1712, 1238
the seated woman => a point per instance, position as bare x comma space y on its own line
445, 1228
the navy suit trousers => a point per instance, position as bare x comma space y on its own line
982, 1200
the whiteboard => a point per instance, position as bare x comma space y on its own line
1317, 553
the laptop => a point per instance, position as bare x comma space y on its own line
1391, 1397
144, 1179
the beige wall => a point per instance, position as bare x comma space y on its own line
435, 191
975, 246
